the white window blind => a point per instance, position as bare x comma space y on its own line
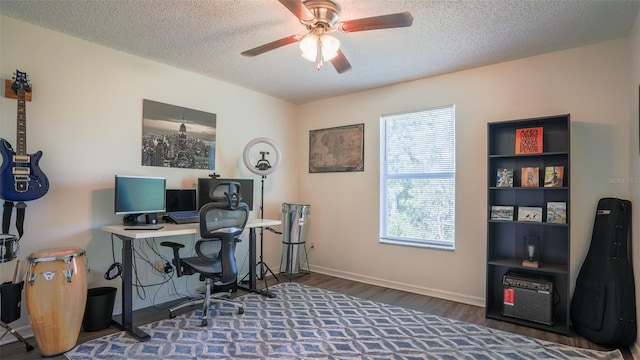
417, 178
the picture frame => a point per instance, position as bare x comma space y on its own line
502, 213
557, 212
530, 177
530, 214
504, 177
337, 149
554, 176
177, 137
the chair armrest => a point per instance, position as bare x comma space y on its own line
176, 255
171, 244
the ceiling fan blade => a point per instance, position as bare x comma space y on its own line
341, 63
377, 22
298, 9
271, 46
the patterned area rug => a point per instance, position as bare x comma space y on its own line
303, 322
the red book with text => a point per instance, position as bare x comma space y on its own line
529, 140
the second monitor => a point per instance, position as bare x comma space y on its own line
206, 184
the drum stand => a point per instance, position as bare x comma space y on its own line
11, 312
8, 329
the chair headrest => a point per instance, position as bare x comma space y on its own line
227, 192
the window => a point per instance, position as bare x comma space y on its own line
418, 178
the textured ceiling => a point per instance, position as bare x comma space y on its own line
207, 36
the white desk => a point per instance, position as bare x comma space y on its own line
171, 230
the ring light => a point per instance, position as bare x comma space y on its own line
261, 170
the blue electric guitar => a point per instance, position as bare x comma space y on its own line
22, 179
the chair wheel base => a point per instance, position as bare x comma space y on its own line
203, 323
240, 311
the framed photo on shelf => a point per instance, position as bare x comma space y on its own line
504, 213
553, 176
528, 213
557, 212
504, 178
530, 177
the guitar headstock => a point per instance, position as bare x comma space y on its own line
21, 82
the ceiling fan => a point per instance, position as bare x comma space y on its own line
321, 17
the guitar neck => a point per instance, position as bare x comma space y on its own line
21, 127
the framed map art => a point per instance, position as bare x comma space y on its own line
337, 149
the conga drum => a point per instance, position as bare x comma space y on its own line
56, 295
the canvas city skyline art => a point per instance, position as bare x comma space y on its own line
174, 136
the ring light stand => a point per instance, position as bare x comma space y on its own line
263, 168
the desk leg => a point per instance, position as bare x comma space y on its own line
252, 267
127, 293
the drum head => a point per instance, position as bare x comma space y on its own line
58, 252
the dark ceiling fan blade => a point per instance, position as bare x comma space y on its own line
377, 22
341, 63
271, 46
298, 9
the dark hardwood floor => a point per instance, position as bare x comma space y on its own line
453, 310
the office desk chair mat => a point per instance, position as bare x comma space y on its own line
303, 322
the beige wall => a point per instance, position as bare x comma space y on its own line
86, 116
634, 159
590, 83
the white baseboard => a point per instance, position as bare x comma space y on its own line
446, 295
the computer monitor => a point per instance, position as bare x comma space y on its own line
206, 184
139, 195
181, 200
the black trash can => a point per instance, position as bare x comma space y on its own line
97, 314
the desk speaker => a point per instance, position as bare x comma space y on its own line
528, 298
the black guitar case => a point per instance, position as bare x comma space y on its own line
603, 308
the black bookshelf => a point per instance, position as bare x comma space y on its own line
505, 238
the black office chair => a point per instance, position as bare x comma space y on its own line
221, 223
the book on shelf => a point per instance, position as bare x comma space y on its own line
504, 178
529, 140
530, 177
502, 213
553, 176
557, 212
528, 213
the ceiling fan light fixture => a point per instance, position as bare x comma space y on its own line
327, 44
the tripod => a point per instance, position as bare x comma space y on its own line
263, 266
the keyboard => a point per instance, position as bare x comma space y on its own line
144, 227
183, 217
